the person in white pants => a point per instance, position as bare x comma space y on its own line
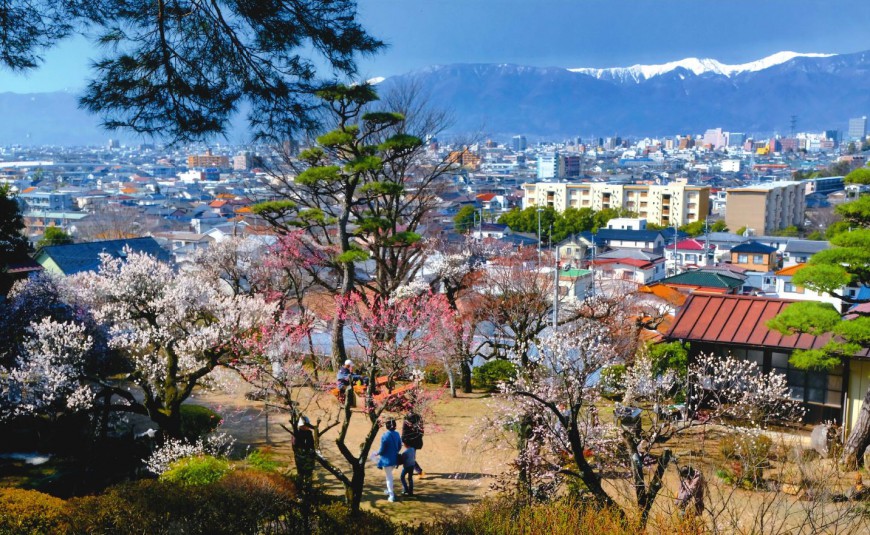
391, 443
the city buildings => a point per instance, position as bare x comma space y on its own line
208, 160
670, 204
766, 208
857, 128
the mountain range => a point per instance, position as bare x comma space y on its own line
500, 100
823, 91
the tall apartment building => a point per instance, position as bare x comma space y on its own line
208, 160
548, 165
465, 158
857, 128
669, 204
715, 137
518, 143
555, 165
766, 207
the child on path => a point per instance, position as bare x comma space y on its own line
409, 459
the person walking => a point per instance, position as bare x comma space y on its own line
303, 450
388, 455
409, 461
412, 435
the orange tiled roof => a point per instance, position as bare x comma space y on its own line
791, 270
217, 204
28, 190
671, 295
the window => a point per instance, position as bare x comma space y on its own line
788, 287
758, 259
742, 259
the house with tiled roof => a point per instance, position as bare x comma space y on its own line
754, 256
800, 251
737, 325
79, 257
787, 289
625, 267
703, 281
688, 254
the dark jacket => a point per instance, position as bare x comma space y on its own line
412, 431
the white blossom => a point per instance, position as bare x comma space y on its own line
49, 371
215, 444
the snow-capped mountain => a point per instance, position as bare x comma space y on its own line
688, 96
639, 73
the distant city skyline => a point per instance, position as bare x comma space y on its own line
558, 33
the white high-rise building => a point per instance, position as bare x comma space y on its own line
548, 165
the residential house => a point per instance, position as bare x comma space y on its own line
630, 238
754, 256
701, 280
687, 254
800, 251
737, 325
574, 283
490, 230
640, 267
78, 257
786, 289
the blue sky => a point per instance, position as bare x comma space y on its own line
564, 33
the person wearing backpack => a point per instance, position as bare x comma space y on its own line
412, 435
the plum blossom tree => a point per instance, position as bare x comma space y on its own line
172, 327
49, 375
395, 337
560, 387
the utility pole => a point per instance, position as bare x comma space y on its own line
539, 234
556, 292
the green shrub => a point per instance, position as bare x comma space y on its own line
196, 470
493, 372
435, 374
23, 512
198, 421
241, 502
262, 460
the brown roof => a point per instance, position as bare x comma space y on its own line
739, 320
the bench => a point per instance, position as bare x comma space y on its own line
360, 389
382, 395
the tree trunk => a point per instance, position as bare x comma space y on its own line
451, 380
353, 492
859, 436
465, 370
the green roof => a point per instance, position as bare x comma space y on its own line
703, 278
574, 272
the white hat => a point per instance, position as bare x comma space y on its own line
304, 421
348, 362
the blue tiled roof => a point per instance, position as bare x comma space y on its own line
753, 247
78, 257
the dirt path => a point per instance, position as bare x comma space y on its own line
456, 470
